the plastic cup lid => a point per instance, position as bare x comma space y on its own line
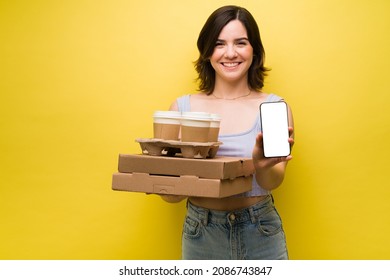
215, 117
203, 116
167, 114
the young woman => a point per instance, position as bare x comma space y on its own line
231, 74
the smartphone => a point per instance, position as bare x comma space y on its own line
274, 126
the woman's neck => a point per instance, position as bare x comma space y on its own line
231, 91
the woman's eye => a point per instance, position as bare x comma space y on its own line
241, 43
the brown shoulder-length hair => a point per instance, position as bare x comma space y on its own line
208, 37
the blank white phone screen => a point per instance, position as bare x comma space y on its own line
274, 123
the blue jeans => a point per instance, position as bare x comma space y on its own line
253, 233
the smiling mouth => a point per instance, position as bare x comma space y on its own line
230, 64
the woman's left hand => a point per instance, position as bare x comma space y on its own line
260, 161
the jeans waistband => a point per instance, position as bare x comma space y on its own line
251, 213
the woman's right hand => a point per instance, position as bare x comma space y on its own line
171, 198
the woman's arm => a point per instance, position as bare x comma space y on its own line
269, 172
172, 198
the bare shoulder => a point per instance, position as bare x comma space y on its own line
199, 96
175, 106
258, 97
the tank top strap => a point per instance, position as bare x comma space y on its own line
183, 103
273, 97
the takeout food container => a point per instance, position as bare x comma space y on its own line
217, 177
213, 168
159, 147
166, 125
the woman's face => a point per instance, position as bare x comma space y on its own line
233, 54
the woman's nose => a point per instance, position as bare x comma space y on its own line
230, 51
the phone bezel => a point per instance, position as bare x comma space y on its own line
287, 151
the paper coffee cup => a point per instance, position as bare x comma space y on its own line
214, 127
166, 125
195, 126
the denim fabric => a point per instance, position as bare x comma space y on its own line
253, 233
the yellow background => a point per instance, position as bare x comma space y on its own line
80, 80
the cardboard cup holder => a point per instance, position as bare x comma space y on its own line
160, 147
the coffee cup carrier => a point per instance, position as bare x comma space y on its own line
160, 147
